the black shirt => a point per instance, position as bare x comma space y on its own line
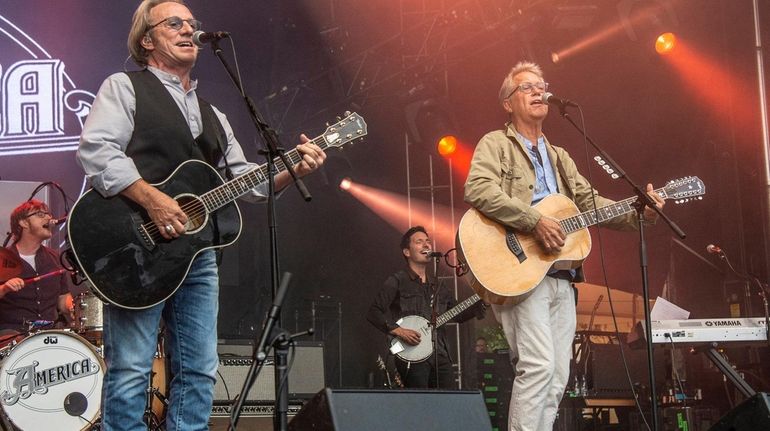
404, 294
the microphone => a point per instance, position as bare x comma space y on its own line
713, 249
55, 221
550, 99
431, 253
201, 38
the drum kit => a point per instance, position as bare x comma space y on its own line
52, 378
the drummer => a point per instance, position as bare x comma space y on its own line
22, 299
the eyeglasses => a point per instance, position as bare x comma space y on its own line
175, 23
41, 214
527, 87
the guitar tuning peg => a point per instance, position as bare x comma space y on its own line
339, 118
347, 113
327, 124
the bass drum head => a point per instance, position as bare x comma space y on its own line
52, 380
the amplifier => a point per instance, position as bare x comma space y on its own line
306, 376
253, 417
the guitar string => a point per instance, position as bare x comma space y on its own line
200, 208
625, 202
152, 229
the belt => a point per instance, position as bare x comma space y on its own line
563, 274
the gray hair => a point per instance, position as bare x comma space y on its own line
508, 85
140, 23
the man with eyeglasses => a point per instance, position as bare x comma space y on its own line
141, 127
513, 169
46, 300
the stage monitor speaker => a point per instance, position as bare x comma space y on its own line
750, 415
306, 376
387, 410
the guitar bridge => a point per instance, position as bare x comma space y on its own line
147, 241
514, 246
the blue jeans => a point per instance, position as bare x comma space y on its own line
130, 340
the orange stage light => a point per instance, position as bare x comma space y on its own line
447, 145
665, 43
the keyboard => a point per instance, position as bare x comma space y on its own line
701, 331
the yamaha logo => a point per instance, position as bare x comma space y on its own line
728, 323
42, 110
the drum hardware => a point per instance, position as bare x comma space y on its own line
156, 405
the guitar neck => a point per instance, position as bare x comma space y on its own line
237, 187
457, 309
600, 215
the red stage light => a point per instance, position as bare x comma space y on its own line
665, 43
346, 183
447, 145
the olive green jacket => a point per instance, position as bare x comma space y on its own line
502, 178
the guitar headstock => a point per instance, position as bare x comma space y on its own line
347, 129
684, 189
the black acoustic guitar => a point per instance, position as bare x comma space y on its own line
119, 249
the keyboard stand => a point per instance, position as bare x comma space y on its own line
721, 363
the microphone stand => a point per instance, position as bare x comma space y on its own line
434, 317
642, 201
761, 287
274, 151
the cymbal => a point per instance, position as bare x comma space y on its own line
10, 265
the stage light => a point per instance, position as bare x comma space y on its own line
447, 145
665, 43
346, 183
431, 126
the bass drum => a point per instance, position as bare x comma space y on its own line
52, 380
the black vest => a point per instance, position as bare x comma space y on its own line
162, 140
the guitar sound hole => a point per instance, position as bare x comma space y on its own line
195, 210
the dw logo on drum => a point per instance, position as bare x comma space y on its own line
51, 339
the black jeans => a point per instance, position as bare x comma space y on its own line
423, 374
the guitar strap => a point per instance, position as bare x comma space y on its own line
210, 118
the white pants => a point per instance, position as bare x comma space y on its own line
540, 331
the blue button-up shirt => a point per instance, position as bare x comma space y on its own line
545, 177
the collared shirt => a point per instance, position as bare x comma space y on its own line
110, 125
38, 300
545, 177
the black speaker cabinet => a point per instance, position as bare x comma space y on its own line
388, 410
750, 415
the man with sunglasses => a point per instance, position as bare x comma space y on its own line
47, 299
141, 127
511, 170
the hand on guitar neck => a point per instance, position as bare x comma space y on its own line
411, 337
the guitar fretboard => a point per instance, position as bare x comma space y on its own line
591, 217
237, 187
